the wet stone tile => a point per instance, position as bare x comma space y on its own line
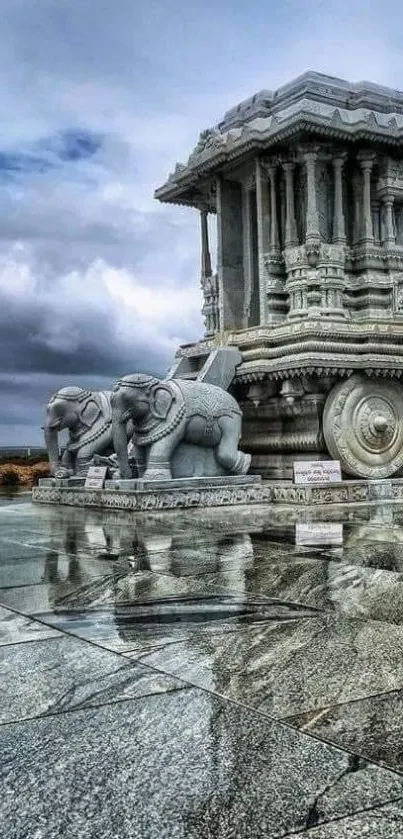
65, 674
121, 582
236, 553
15, 629
135, 612
132, 770
12, 549
371, 727
13, 498
351, 591
286, 668
377, 823
384, 555
57, 570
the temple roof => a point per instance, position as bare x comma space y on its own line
313, 104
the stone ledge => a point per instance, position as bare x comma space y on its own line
342, 492
248, 492
183, 483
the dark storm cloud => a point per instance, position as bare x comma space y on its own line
96, 279
90, 346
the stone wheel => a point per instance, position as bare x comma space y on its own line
363, 426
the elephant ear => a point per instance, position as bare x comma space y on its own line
89, 413
162, 402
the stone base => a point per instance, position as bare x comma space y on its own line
342, 492
157, 495
215, 492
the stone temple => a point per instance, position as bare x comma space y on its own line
306, 184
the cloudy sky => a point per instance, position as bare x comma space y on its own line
98, 100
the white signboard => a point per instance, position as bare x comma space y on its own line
317, 471
95, 477
319, 533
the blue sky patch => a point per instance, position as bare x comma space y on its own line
49, 153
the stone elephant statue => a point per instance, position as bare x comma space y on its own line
167, 414
87, 415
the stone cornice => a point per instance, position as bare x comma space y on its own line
310, 107
382, 336
319, 365
382, 330
316, 348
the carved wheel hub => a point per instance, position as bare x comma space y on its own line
363, 426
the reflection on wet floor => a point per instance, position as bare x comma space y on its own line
89, 559
297, 615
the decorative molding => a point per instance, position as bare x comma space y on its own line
154, 499
277, 492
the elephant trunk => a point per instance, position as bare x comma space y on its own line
52, 445
120, 445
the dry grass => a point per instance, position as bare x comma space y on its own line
22, 474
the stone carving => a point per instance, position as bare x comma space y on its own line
399, 300
155, 499
88, 417
210, 310
209, 140
166, 414
363, 428
391, 176
398, 207
287, 498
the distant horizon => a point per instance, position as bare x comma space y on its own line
11, 447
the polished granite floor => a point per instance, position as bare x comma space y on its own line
228, 674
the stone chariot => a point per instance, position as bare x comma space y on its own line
303, 348
306, 184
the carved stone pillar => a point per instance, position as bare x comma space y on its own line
388, 232
290, 225
209, 283
247, 249
366, 161
339, 226
276, 295
274, 237
357, 193
205, 249
263, 233
312, 220
230, 254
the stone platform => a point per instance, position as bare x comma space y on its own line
212, 492
155, 495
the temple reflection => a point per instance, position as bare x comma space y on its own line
144, 572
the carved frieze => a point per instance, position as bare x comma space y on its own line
155, 499
398, 298
391, 177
